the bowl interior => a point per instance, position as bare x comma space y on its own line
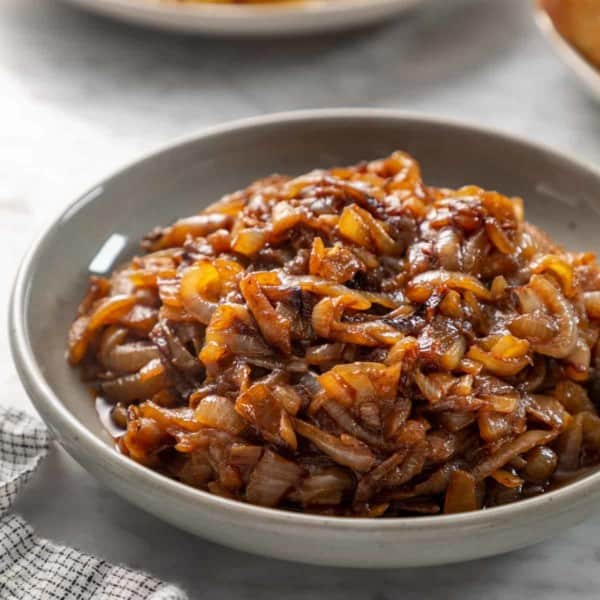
560, 196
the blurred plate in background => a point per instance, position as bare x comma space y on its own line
297, 17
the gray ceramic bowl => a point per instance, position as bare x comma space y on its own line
561, 195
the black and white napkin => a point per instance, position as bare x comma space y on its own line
32, 568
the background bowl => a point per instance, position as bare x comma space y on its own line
585, 72
313, 16
561, 196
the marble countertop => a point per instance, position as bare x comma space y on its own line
80, 95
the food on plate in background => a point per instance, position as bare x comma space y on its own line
239, 1
578, 21
351, 342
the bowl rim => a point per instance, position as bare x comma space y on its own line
251, 12
62, 420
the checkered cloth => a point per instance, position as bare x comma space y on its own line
36, 569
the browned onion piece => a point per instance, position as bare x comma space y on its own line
111, 337
349, 425
174, 350
461, 495
200, 288
129, 358
337, 263
259, 406
541, 464
143, 440
106, 311
549, 411
357, 456
538, 328
564, 342
249, 241
230, 332
244, 457
448, 249
175, 420
274, 327
368, 485
360, 382
410, 467
509, 450
591, 430
507, 479
419, 288
474, 252
271, 479
324, 354
573, 397
437, 481
219, 412
570, 444
353, 299
326, 486
580, 357
498, 237
327, 323
143, 384
109, 310
558, 267
78, 340
498, 366
493, 425
592, 304
430, 388
196, 226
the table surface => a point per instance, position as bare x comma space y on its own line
80, 95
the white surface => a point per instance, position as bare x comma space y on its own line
249, 19
79, 95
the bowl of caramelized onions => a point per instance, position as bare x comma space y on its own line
343, 337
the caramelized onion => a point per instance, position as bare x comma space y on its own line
326, 486
218, 412
461, 495
274, 327
498, 366
129, 358
541, 464
143, 384
349, 425
351, 454
509, 450
566, 338
351, 342
272, 478
423, 285
110, 310
592, 304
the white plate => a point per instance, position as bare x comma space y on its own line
310, 16
583, 69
